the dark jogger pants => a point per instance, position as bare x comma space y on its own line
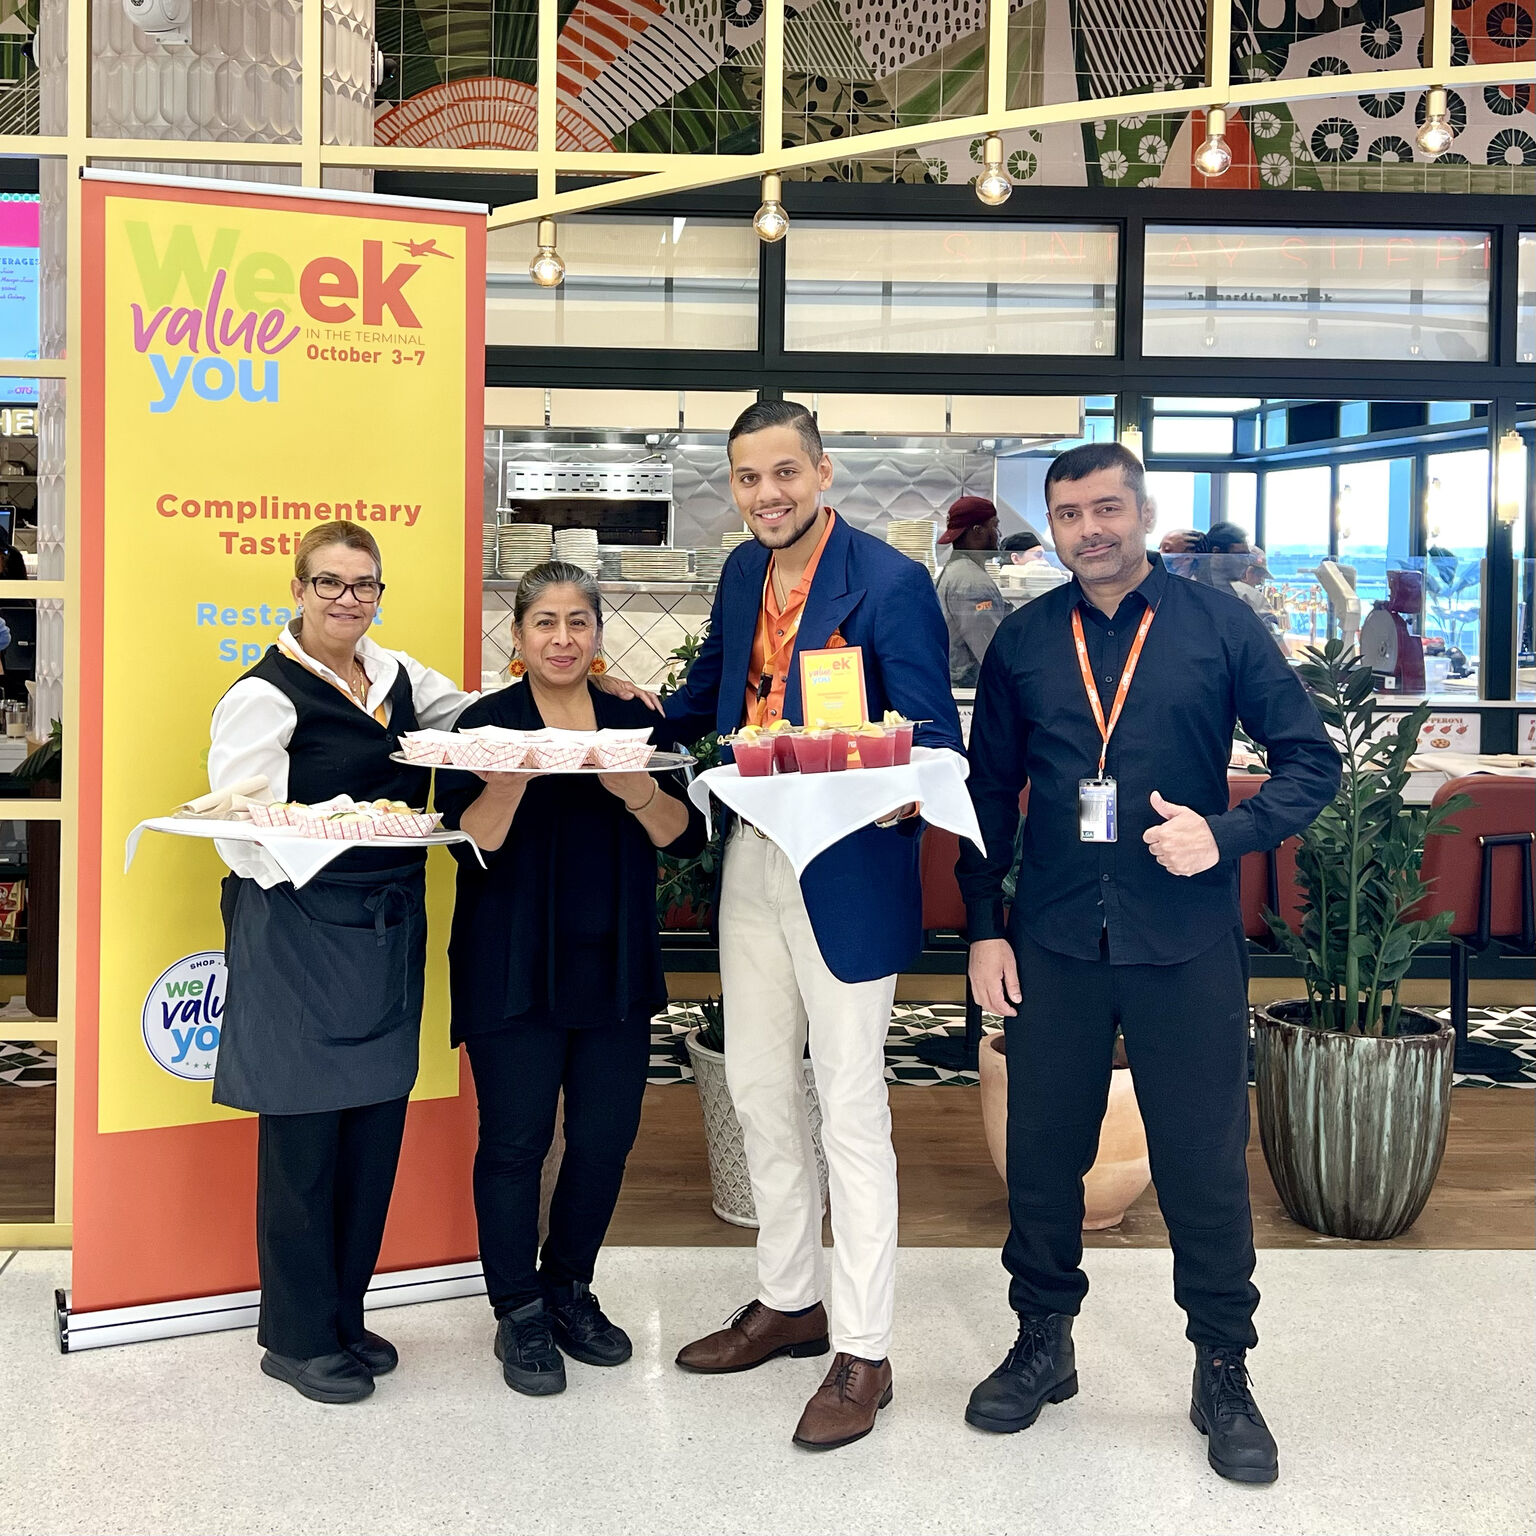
1186, 1036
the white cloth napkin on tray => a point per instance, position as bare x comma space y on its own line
299, 858
805, 813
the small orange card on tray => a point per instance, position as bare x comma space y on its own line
832, 687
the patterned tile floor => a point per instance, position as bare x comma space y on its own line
29, 1066
911, 1022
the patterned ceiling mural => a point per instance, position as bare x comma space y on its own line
686, 75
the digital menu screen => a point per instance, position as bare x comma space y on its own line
18, 289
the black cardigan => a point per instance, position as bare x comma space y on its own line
560, 927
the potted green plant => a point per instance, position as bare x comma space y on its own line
729, 1182
685, 888
1354, 1089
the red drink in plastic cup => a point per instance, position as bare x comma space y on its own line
784, 753
814, 753
901, 736
877, 751
754, 759
840, 740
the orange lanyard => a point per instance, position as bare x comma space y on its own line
1094, 703
771, 656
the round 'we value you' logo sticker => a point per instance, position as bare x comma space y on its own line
181, 1015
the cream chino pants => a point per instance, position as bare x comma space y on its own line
779, 992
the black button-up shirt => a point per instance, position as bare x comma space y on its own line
1207, 663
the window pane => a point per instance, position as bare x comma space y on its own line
629, 283
1375, 521
1242, 505
1525, 316
1182, 500
1456, 540
1316, 293
1296, 541
1191, 434
1012, 289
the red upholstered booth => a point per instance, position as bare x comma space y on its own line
1267, 878
1483, 875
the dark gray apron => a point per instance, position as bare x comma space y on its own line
323, 1004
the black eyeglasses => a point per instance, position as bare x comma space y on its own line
331, 587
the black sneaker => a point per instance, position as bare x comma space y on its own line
530, 1363
1039, 1369
581, 1330
376, 1355
1239, 1444
333, 1378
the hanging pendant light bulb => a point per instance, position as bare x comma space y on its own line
546, 268
1435, 134
1213, 158
993, 186
771, 221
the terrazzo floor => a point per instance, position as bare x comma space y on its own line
1398, 1383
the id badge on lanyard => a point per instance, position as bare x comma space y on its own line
1098, 805
1097, 814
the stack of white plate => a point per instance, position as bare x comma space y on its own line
917, 538
708, 563
655, 565
729, 541
578, 546
488, 550
520, 546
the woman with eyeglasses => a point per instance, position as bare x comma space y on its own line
319, 1036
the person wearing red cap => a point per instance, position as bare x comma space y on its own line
973, 606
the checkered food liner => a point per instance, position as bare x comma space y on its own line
492, 746
429, 748
559, 749
360, 823
623, 750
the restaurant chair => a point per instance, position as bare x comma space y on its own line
1266, 879
1482, 873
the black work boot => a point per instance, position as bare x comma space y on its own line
530, 1363
1238, 1442
1039, 1369
581, 1330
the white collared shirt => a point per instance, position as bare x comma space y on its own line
254, 722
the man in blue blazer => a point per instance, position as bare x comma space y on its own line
816, 958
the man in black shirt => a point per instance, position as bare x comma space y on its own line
1114, 697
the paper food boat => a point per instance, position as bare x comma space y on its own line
342, 819
621, 750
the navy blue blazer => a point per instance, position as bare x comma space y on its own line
863, 894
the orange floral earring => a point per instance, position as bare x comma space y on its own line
599, 665
517, 666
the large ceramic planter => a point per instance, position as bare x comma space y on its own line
729, 1181
1120, 1172
1353, 1127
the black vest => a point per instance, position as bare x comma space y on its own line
339, 749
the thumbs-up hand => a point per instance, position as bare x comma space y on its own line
1184, 844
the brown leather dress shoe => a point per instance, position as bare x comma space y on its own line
755, 1335
844, 1407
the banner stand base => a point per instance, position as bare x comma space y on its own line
77, 1331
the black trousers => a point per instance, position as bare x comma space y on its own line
1186, 1036
323, 1183
519, 1073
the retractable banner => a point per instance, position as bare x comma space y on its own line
256, 363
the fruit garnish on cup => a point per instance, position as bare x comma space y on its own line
813, 750
876, 745
900, 730
753, 750
783, 735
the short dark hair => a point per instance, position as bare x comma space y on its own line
1089, 458
779, 413
1029, 539
1223, 538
